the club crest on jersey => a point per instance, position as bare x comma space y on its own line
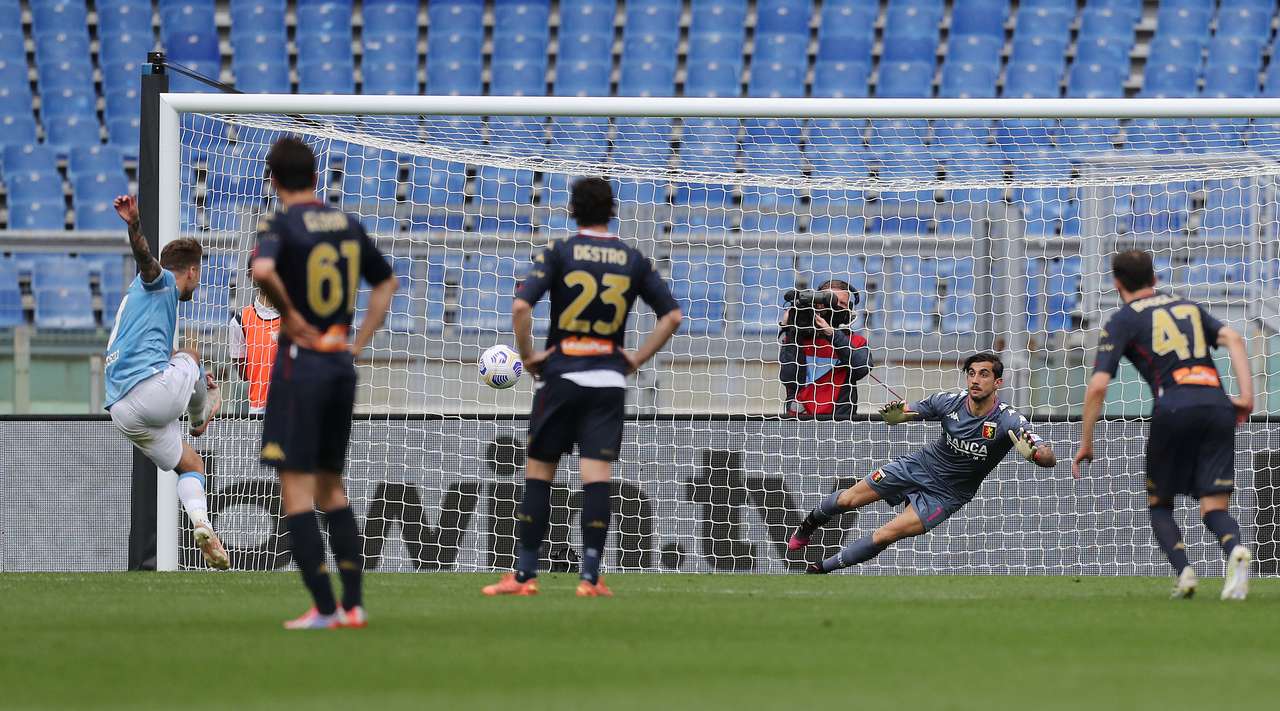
989, 430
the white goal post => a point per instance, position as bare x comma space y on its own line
964, 225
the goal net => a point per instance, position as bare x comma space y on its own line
956, 235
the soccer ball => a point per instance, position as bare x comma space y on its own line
500, 367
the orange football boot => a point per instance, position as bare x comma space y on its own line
508, 585
586, 589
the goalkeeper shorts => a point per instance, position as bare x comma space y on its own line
1191, 451
148, 414
905, 481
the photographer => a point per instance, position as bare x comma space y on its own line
816, 326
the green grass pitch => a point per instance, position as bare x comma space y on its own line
213, 641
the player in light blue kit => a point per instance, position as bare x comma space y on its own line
936, 481
149, 385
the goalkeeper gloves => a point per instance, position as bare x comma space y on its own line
1025, 444
894, 413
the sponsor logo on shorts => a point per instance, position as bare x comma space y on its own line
877, 476
273, 452
936, 513
989, 430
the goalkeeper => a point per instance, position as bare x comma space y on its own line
977, 432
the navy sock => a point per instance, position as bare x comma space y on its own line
826, 510
860, 551
535, 513
1225, 528
1169, 536
344, 539
595, 528
308, 553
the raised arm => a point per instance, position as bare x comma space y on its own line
1234, 343
127, 208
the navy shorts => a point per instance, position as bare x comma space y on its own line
904, 480
565, 414
1191, 451
307, 423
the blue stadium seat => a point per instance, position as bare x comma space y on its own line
1190, 22
92, 195
266, 46
487, 288
262, 77
587, 17
585, 47
783, 16
1176, 50
978, 49
906, 79
1049, 51
437, 183
326, 77
1044, 21
64, 308
64, 132
10, 13
122, 83
1245, 21
1169, 80
776, 79
58, 16
582, 79
1125, 11
29, 158
765, 276
17, 128
787, 49
1215, 135
979, 17
455, 47
851, 48
913, 19
768, 132
649, 48
698, 282
652, 17
211, 307
15, 86
178, 82
909, 48
518, 78
1103, 50
1096, 81
510, 186
324, 15
963, 136
130, 46
719, 46
1271, 80
782, 160
36, 215
956, 288
324, 47
967, 80
10, 296
454, 78
1245, 52
842, 17
448, 16
522, 47
1032, 80
647, 78
123, 133
520, 16
713, 77
258, 15
390, 18
400, 49
840, 79
370, 174
87, 160
913, 295
1229, 80
1051, 4
817, 268
713, 15
390, 78
189, 47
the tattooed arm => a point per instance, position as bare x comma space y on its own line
127, 208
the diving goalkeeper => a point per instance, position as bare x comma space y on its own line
935, 482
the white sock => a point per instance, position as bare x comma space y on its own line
191, 492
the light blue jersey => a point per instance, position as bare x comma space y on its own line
142, 340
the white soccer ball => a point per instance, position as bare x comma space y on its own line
500, 367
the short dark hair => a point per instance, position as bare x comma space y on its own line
181, 254
292, 164
997, 365
591, 202
1134, 270
840, 284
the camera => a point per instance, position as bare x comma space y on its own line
807, 304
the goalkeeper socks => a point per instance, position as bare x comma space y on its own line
308, 553
535, 513
826, 510
1225, 528
191, 493
344, 539
860, 551
595, 528
1169, 536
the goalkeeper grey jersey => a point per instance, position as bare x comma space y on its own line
970, 445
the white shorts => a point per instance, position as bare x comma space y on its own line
148, 414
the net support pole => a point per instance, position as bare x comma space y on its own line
144, 526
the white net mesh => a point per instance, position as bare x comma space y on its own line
958, 235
